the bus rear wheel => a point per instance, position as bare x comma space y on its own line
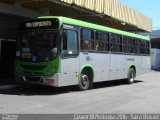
131, 76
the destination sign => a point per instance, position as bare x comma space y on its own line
40, 24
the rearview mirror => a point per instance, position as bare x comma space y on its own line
54, 52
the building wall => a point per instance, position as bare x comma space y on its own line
155, 58
155, 48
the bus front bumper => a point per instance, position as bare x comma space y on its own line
39, 80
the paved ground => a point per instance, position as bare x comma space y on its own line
108, 97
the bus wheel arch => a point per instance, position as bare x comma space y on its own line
86, 77
131, 74
134, 68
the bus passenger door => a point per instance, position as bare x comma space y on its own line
70, 59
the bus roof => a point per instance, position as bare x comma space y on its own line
95, 26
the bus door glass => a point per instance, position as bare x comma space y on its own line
70, 46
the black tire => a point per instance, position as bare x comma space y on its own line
84, 83
131, 76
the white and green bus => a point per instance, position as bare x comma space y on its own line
60, 51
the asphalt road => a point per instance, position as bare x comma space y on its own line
106, 97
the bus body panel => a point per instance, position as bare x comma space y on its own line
146, 64
118, 68
136, 61
141, 64
101, 69
69, 71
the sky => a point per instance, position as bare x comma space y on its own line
150, 8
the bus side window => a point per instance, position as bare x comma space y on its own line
134, 47
130, 45
70, 43
144, 45
127, 45
87, 39
137, 46
113, 39
115, 43
100, 40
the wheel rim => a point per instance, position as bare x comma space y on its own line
131, 77
84, 80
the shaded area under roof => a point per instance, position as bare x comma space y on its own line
105, 12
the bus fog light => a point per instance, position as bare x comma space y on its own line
48, 81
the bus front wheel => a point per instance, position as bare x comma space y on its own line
131, 76
84, 82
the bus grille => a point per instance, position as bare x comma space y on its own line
29, 67
33, 79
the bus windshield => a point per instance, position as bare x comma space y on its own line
37, 45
